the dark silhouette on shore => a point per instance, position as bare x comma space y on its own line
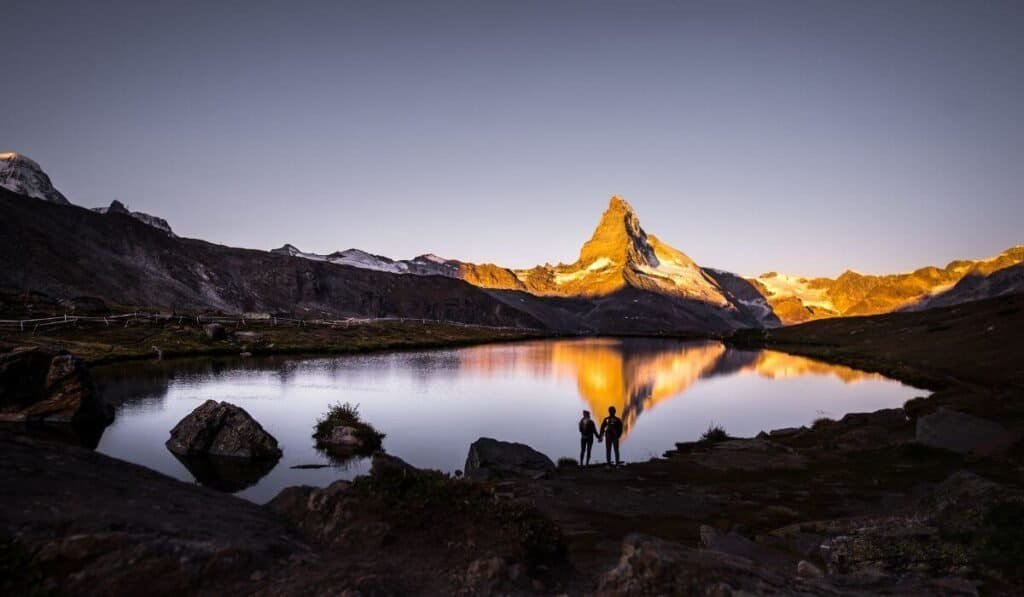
588, 431
611, 430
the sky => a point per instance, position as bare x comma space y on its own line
805, 137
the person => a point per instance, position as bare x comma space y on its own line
611, 431
588, 430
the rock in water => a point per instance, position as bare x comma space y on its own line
221, 429
958, 432
492, 459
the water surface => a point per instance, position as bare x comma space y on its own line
433, 404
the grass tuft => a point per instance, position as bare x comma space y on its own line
347, 415
714, 434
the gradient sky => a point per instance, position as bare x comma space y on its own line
807, 137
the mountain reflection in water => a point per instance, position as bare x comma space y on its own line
636, 374
433, 404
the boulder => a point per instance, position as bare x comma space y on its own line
652, 566
221, 429
37, 386
492, 459
22, 375
385, 465
889, 418
215, 331
958, 432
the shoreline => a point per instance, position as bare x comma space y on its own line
859, 486
99, 346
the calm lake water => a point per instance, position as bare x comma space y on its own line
433, 404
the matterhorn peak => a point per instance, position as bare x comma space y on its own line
617, 203
618, 238
24, 176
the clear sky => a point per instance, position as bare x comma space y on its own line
807, 137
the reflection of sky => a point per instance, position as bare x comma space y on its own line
432, 405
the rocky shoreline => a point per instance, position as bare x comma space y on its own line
865, 504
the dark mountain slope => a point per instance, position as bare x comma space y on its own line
67, 251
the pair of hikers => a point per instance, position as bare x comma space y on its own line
611, 431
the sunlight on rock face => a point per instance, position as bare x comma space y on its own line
635, 375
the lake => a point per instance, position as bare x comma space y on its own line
433, 404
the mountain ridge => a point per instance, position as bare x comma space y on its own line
624, 279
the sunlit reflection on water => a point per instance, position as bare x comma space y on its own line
433, 404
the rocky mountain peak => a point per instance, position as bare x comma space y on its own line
116, 207
618, 239
24, 176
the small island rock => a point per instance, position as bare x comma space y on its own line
221, 429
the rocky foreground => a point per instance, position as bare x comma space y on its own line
926, 499
755, 515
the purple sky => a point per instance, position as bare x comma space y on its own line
807, 137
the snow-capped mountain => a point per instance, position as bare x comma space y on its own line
624, 280
620, 255
796, 298
116, 207
424, 265
23, 176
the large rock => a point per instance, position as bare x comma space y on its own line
42, 387
492, 459
959, 432
77, 522
890, 418
221, 429
652, 566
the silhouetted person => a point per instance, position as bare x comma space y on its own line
588, 431
611, 431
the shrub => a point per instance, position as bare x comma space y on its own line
566, 462
714, 434
347, 415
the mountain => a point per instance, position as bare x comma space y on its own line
67, 251
621, 255
620, 262
116, 207
795, 299
424, 265
624, 281
23, 176
976, 286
